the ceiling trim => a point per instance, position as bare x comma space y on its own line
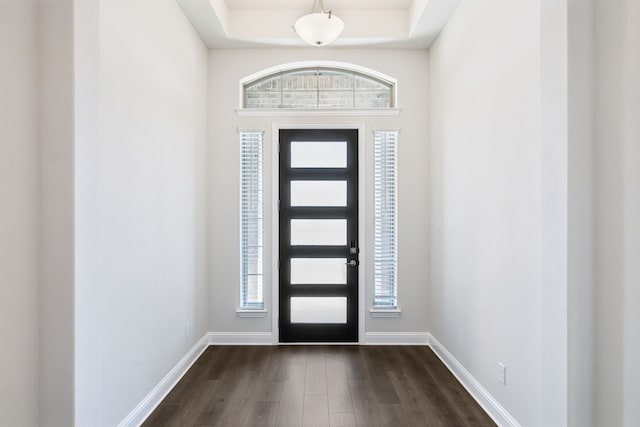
413, 27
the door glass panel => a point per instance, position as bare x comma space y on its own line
321, 271
318, 232
309, 154
319, 310
318, 193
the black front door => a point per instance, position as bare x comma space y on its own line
318, 235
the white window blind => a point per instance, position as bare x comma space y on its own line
385, 219
251, 295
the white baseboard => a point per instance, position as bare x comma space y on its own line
240, 338
396, 338
160, 391
491, 406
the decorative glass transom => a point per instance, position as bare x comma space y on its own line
316, 88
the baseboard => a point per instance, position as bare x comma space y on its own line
160, 391
491, 406
240, 338
396, 338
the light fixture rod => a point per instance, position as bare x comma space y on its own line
321, 6
320, 3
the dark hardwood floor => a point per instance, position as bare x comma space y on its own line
318, 386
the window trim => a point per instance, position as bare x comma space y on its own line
317, 71
386, 310
337, 65
321, 112
257, 309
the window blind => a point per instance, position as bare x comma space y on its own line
251, 295
385, 219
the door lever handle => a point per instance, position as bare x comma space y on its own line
352, 263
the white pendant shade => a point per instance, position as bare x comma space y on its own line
319, 28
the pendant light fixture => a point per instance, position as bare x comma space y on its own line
319, 28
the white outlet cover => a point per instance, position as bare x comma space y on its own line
502, 374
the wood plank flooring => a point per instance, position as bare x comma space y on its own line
308, 386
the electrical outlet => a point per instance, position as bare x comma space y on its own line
502, 374
186, 329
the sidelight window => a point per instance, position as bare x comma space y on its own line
385, 251
251, 155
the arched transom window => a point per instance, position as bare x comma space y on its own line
318, 88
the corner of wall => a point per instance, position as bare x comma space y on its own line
56, 116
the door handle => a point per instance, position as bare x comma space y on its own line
352, 263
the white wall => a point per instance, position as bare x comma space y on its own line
226, 68
590, 218
18, 214
486, 266
87, 219
145, 223
617, 53
581, 213
56, 211
631, 355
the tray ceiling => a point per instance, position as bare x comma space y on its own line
406, 24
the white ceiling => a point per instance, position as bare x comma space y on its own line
407, 24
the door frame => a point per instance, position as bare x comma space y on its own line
275, 222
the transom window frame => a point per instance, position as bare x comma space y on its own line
310, 65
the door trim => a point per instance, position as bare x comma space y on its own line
275, 226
